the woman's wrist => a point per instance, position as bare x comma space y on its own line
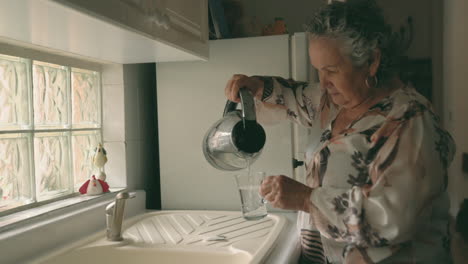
265, 88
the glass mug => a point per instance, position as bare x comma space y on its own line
252, 204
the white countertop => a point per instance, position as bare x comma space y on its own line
272, 239
287, 249
22, 243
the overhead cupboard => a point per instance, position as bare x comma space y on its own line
117, 31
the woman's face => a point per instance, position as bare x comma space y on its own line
344, 83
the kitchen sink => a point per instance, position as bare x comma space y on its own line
179, 237
125, 255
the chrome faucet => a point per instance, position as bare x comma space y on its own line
115, 214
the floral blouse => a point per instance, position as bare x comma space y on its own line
379, 187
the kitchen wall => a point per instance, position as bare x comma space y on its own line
455, 91
130, 133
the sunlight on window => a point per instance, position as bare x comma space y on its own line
50, 123
15, 92
84, 143
15, 170
51, 95
85, 101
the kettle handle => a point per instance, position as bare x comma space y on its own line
230, 106
247, 103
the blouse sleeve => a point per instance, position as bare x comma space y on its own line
407, 168
288, 99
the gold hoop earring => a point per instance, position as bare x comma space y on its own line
376, 82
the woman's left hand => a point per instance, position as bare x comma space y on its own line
286, 193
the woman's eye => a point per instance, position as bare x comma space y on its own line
327, 71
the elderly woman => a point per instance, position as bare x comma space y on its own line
376, 186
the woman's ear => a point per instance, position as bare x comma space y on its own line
375, 63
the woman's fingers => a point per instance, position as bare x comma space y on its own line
285, 193
270, 189
267, 186
239, 81
232, 87
270, 197
228, 91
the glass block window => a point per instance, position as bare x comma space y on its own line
15, 93
83, 145
51, 95
50, 123
85, 98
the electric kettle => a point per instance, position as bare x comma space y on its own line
236, 140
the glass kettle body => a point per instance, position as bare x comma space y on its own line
236, 140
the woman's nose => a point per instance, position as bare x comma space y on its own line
321, 75
323, 81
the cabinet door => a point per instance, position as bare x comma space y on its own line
176, 23
179, 22
188, 16
190, 20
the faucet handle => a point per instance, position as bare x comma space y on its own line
125, 195
115, 214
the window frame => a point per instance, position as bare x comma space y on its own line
71, 63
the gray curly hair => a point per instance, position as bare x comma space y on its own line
360, 27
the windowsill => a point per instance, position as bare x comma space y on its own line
61, 225
21, 218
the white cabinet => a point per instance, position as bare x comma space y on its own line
180, 24
116, 31
188, 24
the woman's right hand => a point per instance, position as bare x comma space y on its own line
253, 84
285, 193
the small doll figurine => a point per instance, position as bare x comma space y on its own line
99, 159
94, 187
97, 186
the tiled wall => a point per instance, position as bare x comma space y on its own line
114, 124
129, 118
